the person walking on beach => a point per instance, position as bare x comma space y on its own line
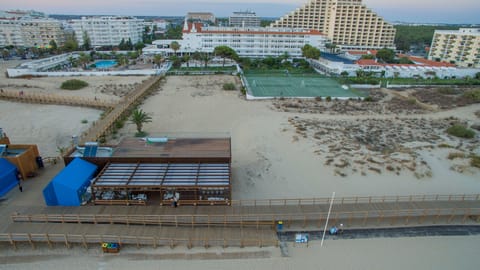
19, 179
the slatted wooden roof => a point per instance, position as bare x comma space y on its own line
128, 175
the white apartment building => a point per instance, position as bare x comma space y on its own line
244, 19
108, 31
348, 23
201, 16
29, 29
460, 47
247, 42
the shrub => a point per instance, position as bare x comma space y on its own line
475, 161
455, 155
328, 99
84, 121
73, 84
368, 99
229, 86
444, 145
119, 124
473, 95
461, 132
318, 98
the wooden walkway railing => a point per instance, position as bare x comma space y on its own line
122, 109
357, 200
42, 98
358, 217
70, 239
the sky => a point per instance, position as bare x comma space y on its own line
424, 11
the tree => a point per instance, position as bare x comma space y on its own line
71, 43
477, 76
21, 52
225, 52
53, 45
86, 41
310, 52
202, 56
139, 46
158, 59
331, 46
186, 59
5, 54
139, 117
84, 59
386, 55
122, 60
175, 46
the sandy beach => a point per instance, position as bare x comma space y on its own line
279, 151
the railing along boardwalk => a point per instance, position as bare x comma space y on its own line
88, 239
260, 213
54, 99
122, 109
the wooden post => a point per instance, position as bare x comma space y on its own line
30, 240
465, 216
365, 218
84, 242
437, 217
66, 241
48, 240
12, 241
452, 216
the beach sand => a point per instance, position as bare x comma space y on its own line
440, 253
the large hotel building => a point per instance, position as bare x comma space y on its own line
254, 42
108, 31
348, 23
29, 29
461, 47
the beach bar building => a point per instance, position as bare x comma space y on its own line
190, 171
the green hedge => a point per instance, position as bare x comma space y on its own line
73, 84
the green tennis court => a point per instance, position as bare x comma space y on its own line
285, 84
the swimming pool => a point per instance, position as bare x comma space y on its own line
105, 63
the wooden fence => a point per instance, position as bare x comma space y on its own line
70, 239
42, 98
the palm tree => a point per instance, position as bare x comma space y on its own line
139, 117
84, 59
175, 46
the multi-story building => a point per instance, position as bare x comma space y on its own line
460, 47
108, 31
247, 42
244, 19
29, 29
201, 16
348, 23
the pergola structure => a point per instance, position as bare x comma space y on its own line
190, 183
195, 171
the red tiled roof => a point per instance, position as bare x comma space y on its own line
199, 28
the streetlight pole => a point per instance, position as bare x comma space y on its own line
328, 217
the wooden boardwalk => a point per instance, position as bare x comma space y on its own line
244, 223
103, 126
54, 99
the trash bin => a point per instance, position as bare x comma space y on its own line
39, 162
279, 225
